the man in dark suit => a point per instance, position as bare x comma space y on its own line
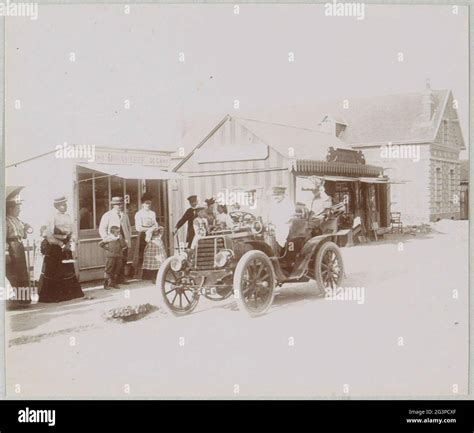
188, 217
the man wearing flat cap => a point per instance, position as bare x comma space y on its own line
117, 217
188, 217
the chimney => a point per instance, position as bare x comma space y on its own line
427, 103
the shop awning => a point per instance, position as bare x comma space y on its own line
323, 168
339, 178
353, 179
373, 180
133, 171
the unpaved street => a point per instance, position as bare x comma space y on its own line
407, 336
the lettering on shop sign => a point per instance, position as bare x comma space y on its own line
132, 158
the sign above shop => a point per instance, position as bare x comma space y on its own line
345, 155
103, 156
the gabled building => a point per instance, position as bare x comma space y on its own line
416, 137
241, 157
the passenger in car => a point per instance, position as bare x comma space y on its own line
223, 219
200, 224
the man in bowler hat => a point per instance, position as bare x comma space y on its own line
117, 217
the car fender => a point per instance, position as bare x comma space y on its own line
261, 246
307, 253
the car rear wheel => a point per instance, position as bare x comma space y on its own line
328, 267
254, 283
177, 291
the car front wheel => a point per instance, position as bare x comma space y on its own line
254, 283
329, 268
177, 291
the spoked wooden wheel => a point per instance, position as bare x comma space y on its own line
254, 283
178, 291
329, 268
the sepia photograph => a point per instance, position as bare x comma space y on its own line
236, 201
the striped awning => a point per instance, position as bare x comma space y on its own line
322, 168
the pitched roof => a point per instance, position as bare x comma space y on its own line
196, 134
371, 120
306, 143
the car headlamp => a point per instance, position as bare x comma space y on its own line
178, 261
257, 227
176, 264
222, 258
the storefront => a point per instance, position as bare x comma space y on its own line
89, 186
246, 159
363, 189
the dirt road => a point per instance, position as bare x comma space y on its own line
406, 334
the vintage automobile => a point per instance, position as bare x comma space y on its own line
247, 262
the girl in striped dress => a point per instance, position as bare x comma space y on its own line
154, 255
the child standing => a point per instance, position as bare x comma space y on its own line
154, 254
201, 226
114, 245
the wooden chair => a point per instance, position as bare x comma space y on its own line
396, 222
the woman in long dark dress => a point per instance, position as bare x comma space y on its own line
16, 269
58, 281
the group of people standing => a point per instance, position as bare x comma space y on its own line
279, 211
116, 233
58, 281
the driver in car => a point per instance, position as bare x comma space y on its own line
321, 201
280, 212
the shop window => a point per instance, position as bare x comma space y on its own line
131, 190
341, 193
117, 186
438, 185
95, 192
86, 210
101, 188
453, 188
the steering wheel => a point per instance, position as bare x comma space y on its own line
239, 216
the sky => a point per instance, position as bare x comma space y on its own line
134, 57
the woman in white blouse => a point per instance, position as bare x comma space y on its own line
223, 219
145, 224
